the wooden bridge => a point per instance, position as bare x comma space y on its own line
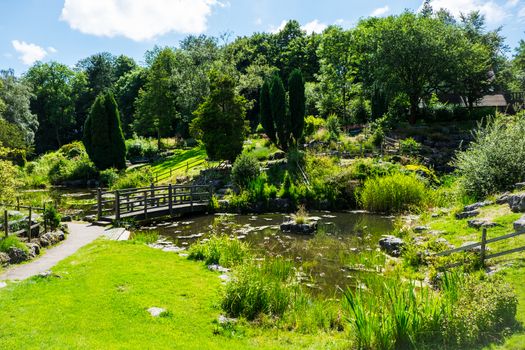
152, 202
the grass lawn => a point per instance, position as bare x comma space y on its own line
101, 298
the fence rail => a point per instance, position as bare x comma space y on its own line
483, 247
30, 227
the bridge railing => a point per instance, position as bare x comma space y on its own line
141, 200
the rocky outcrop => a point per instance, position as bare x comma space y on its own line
51, 238
17, 255
481, 223
392, 245
503, 198
517, 202
519, 225
302, 229
467, 214
34, 250
4, 258
477, 205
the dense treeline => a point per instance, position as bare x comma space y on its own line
398, 66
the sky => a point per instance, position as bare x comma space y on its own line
69, 30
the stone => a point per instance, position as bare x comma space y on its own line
17, 255
66, 218
479, 223
477, 205
517, 202
303, 229
225, 320
3, 285
4, 258
420, 229
519, 225
218, 268
156, 311
391, 245
503, 199
90, 218
34, 249
467, 214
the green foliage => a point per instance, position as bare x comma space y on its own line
9, 180
280, 119
410, 146
220, 250
108, 177
394, 194
265, 113
313, 124
260, 289
297, 103
133, 179
145, 237
219, 121
11, 135
245, 169
140, 147
12, 241
495, 161
333, 127
52, 216
288, 188
103, 136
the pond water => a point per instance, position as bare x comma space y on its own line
344, 247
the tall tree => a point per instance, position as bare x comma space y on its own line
297, 104
53, 103
127, 90
103, 136
16, 95
220, 120
156, 105
266, 112
281, 121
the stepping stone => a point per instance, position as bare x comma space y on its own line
156, 311
467, 214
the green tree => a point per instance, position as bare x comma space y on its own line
103, 136
280, 119
266, 118
220, 120
156, 105
297, 104
127, 90
53, 103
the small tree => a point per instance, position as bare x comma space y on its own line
297, 103
245, 169
103, 136
219, 121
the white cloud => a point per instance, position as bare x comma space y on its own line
490, 9
29, 53
314, 27
380, 11
51, 49
258, 21
512, 3
521, 14
274, 29
138, 19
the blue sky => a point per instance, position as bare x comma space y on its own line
69, 30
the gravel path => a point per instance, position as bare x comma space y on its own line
79, 236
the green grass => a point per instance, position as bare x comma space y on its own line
11, 241
101, 298
184, 162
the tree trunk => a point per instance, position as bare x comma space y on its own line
414, 102
159, 143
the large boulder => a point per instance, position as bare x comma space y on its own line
302, 229
17, 255
467, 214
4, 258
517, 202
519, 225
34, 249
392, 245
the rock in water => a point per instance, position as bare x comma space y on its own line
392, 245
302, 229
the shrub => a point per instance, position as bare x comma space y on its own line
245, 169
287, 190
133, 179
220, 250
140, 147
495, 161
108, 177
260, 289
12, 241
8, 179
410, 146
333, 126
313, 124
52, 217
393, 193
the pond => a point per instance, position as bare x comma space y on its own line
344, 247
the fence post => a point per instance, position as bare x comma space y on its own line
117, 205
483, 245
6, 224
170, 199
99, 204
45, 219
29, 224
18, 203
191, 197
145, 205
152, 194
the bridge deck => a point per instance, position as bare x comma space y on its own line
197, 207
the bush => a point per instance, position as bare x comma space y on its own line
313, 124
220, 250
12, 241
410, 146
333, 126
108, 177
8, 179
495, 161
133, 179
140, 147
245, 169
393, 193
52, 217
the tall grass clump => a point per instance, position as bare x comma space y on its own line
145, 237
495, 160
133, 179
257, 289
12, 241
386, 313
393, 193
220, 250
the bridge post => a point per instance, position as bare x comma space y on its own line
99, 204
117, 205
170, 198
152, 195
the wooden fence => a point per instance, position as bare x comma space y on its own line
483, 247
29, 226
